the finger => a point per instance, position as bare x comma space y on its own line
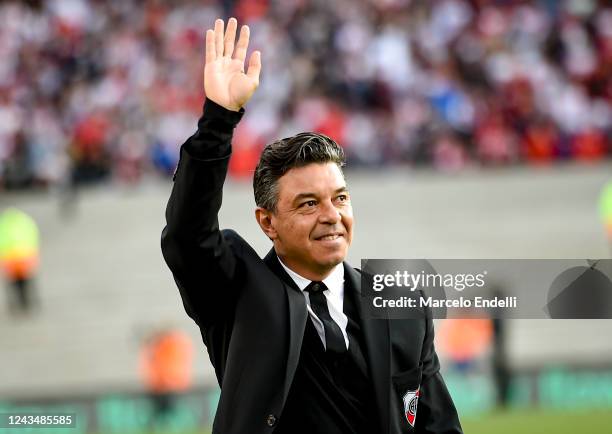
254, 66
219, 37
243, 44
230, 37
211, 52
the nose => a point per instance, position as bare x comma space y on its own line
329, 213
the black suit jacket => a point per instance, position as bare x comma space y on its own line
252, 319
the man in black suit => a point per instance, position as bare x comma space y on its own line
291, 346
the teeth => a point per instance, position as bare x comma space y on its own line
329, 237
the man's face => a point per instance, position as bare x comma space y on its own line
312, 227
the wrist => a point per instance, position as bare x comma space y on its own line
226, 106
213, 110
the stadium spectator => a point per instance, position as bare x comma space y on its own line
447, 82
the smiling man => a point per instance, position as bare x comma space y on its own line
303, 204
292, 349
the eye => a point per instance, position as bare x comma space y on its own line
343, 198
309, 204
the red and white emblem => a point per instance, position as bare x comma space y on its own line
411, 399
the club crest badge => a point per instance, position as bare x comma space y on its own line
411, 399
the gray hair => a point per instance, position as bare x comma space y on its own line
279, 157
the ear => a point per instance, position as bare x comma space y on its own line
264, 219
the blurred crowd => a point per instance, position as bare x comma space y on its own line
92, 89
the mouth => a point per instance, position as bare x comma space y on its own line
329, 237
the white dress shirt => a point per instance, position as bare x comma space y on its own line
334, 296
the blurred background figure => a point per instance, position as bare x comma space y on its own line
500, 364
19, 242
465, 341
166, 368
605, 208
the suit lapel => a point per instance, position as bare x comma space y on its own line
377, 347
375, 335
298, 315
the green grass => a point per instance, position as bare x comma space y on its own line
528, 422
540, 422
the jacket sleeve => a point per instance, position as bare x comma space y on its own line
436, 410
201, 260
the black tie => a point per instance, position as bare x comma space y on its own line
334, 340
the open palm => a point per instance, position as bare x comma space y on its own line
225, 81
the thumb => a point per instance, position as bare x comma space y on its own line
254, 66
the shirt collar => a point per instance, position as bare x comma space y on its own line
334, 282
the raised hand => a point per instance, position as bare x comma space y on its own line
225, 81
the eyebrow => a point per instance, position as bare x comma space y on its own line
301, 196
